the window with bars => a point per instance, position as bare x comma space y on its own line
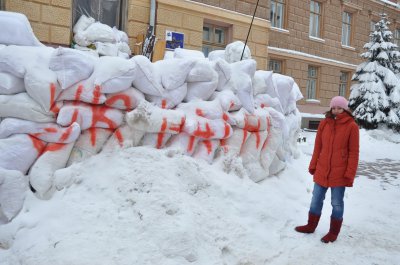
110, 12
315, 19
275, 66
277, 13
214, 38
312, 82
344, 79
346, 28
396, 39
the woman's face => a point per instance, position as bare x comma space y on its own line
337, 110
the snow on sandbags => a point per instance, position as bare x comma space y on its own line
234, 144
181, 53
48, 132
173, 73
17, 59
250, 122
265, 100
88, 116
10, 84
54, 157
268, 151
22, 106
149, 118
16, 30
123, 137
156, 140
89, 143
208, 109
169, 98
19, 152
233, 52
41, 84
224, 73
287, 91
262, 82
128, 99
215, 55
228, 100
206, 129
250, 155
71, 66
202, 89
147, 79
13, 188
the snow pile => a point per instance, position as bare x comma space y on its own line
62, 106
100, 39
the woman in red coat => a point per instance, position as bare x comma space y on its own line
334, 164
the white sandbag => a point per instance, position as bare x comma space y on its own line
183, 142
208, 109
83, 23
206, 150
152, 119
284, 86
99, 32
271, 145
173, 72
88, 116
123, 137
48, 132
244, 90
202, 70
81, 40
251, 122
13, 188
276, 166
252, 148
224, 73
248, 67
206, 128
114, 74
16, 30
19, 151
22, 106
10, 84
120, 36
125, 100
234, 144
234, 51
201, 90
107, 49
181, 53
156, 140
265, 100
261, 81
84, 91
41, 84
124, 47
71, 66
89, 143
41, 174
123, 55
17, 59
215, 55
147, 79
228, 100
170, 98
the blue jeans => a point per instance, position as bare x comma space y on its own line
317, 201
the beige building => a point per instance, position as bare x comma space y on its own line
317, 42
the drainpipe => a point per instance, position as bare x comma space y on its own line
152, 13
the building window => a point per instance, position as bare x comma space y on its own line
112, 13
397, 38
277, 13
344, 80
346, 28
312, 82
372, 26
313, 125
275, 66
214, 38
315, 19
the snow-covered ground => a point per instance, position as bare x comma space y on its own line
147, 206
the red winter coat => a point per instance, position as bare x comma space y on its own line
336, 150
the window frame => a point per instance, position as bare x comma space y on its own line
279, 62
313, 15
344, 83
396, 37
349, 27
211, 44
275, 3
312, 78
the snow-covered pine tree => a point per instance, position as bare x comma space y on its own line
375, 98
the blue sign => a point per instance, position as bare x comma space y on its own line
174, 39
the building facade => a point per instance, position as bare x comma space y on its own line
317, 42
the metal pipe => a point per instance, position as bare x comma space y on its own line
248, 33
152, 14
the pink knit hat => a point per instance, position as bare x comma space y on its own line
340, 102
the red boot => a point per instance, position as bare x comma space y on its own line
334, 230
313, 220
